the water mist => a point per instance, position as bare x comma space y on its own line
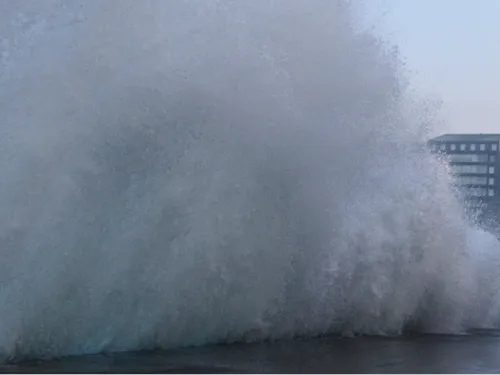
191, 172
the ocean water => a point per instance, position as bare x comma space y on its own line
449, 354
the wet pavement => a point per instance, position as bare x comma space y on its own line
479, 353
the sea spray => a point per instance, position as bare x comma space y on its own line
191, 172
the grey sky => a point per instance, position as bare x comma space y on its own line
452, 48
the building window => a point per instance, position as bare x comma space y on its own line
462, 147
459, 168
476, 192
471, 180
453, 147
494, 147
473, 147
492, 158
492, 170
491, 181
491, 192
442, 147
482, 147
468, 158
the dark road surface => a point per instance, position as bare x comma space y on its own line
478, 353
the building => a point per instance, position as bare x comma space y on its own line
474, 162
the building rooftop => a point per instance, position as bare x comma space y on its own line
466, 138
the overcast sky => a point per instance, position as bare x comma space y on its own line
453, 48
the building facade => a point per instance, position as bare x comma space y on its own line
475, 163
